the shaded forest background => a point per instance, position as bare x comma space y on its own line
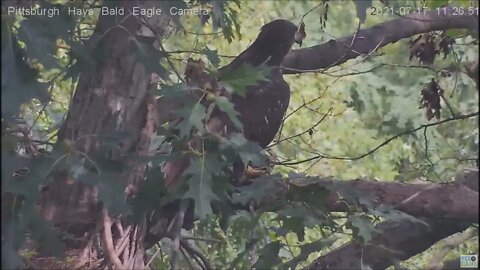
382, 116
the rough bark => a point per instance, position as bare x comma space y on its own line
111, 97
454, 201
397, 241
116, 92
366, 41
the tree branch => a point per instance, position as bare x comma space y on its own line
395, 242
336, 52
455, 201
451, 243
443, 209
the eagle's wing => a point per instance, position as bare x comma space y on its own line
262, 108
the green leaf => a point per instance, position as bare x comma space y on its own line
268, 256
313, 195
363, 227
111, 190
39, 44
297, 217
150, 57
212, 56
294, 224
257, 191
308, 249
19, 81
226, 106
225, 17
200, 185
191, 118
237, 80
27, 185
86, 55
43, 232
112, 193
248, 151
40, 34
149, 196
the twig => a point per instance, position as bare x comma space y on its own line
175, 230
460, 117
303, 132
123, 243
186, 257
197, 253
312, 9
202, 239
153, 257
86, 254
198, 52
107, 239
171, 64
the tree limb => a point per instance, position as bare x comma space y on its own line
442, 208
336, 52
451, 243
395, 242
454, 201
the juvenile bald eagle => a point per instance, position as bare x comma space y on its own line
262, 108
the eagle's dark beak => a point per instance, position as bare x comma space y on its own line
300, 34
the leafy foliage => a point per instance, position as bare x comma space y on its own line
43, 56
225, 105
201, 171
238, 80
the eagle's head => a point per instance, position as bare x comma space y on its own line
275, 40
284, 31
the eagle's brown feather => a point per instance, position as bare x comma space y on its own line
262, 108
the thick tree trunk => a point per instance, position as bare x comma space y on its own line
112, 97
